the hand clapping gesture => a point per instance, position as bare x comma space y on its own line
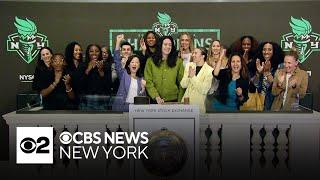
293, 82
259, 65
281, 77
67, 79
100, 65
192, 72
246, 55
239, 91
267, 66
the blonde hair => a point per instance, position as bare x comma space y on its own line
294, 52
191, 46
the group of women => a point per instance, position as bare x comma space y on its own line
214, 78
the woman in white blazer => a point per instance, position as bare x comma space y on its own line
197, 79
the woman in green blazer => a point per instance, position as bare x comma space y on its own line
163, 73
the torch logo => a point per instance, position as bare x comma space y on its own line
27, 41
164, 27
302, 38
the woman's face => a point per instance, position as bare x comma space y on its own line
77, 52
151, 40
197, 56
94, 53
184, 42
246, 44
57, 63
290, 64
236, 64
166, 47
134, 65
46, 56
216, 47
267, 51
105, 53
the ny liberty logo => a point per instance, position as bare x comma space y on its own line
27, 41
165, 27
302, 38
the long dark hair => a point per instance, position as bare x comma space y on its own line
172, 57
244, 69
40, 63
130, 58
110, 57
69, 55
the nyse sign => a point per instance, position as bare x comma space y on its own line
26, 78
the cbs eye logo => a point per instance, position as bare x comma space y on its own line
28, 145
34, 145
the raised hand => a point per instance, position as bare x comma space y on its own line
100, 65
92, 64
281, 76
222, 52
120, 38
246, 55
259, 66
143, 45
66, 79
192, 71
267, 66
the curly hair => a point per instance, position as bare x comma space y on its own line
69, 54
277, 57
237, 46
172, 57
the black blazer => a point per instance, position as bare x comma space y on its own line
225, 78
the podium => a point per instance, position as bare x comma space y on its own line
171, 123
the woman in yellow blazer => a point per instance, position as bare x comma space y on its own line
197, 79
290, 84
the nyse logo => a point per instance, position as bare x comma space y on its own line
26, 77
34, 145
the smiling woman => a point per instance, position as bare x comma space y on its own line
163, 73
233, 84
290, 84
53, 82
96, 80
131, 83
